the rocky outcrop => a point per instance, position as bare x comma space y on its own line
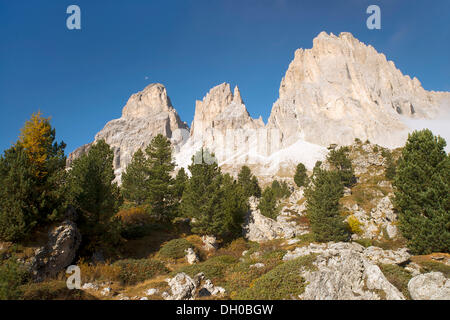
183, 287
210, 243
342, 89
341, 271
146, 114
191, 256
59, 252
429, 286
260, 228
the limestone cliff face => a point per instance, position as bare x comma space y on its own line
146, 114
342, 89
338, 90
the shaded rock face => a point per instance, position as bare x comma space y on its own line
429, 286
342, 272
59, 252
146, 114
342, 89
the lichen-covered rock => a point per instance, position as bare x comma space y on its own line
378, 255
61, 248
342, 272
429, 286
182, 287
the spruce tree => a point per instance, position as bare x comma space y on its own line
135, 185
268, 203
180, 183
340, 161
422, 188
234, 206
322, 197
94, 194
301, 177
201, 199
249, 182
160, 183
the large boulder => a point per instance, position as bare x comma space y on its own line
429, 286
342, 272
61, 248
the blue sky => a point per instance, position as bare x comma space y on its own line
83, 78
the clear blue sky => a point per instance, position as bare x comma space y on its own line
82, 79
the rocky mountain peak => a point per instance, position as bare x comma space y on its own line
342, 89
151, 100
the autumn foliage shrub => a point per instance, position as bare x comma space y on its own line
135, 222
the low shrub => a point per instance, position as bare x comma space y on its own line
175, 249
213, 268
354, 224
135, 222
133, 271
430, 266
282, 282
13, 274
99, 272
398, 276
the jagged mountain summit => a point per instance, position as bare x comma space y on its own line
146, 114
342, 89
338, 90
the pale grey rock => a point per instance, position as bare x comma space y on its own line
191, 256
212, 289
182, 287
413, 268
151, 292
378, 255
257, 265
429, 286
106, 291
89, 286
343, 273
210, 243
260, 228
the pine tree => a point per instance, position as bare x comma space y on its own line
322, 197
422, 183
249, 182
160, 183
339, 161
301, 177
268, 203
94, 194
135, 185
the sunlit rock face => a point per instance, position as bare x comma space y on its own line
342, 89
338, 90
